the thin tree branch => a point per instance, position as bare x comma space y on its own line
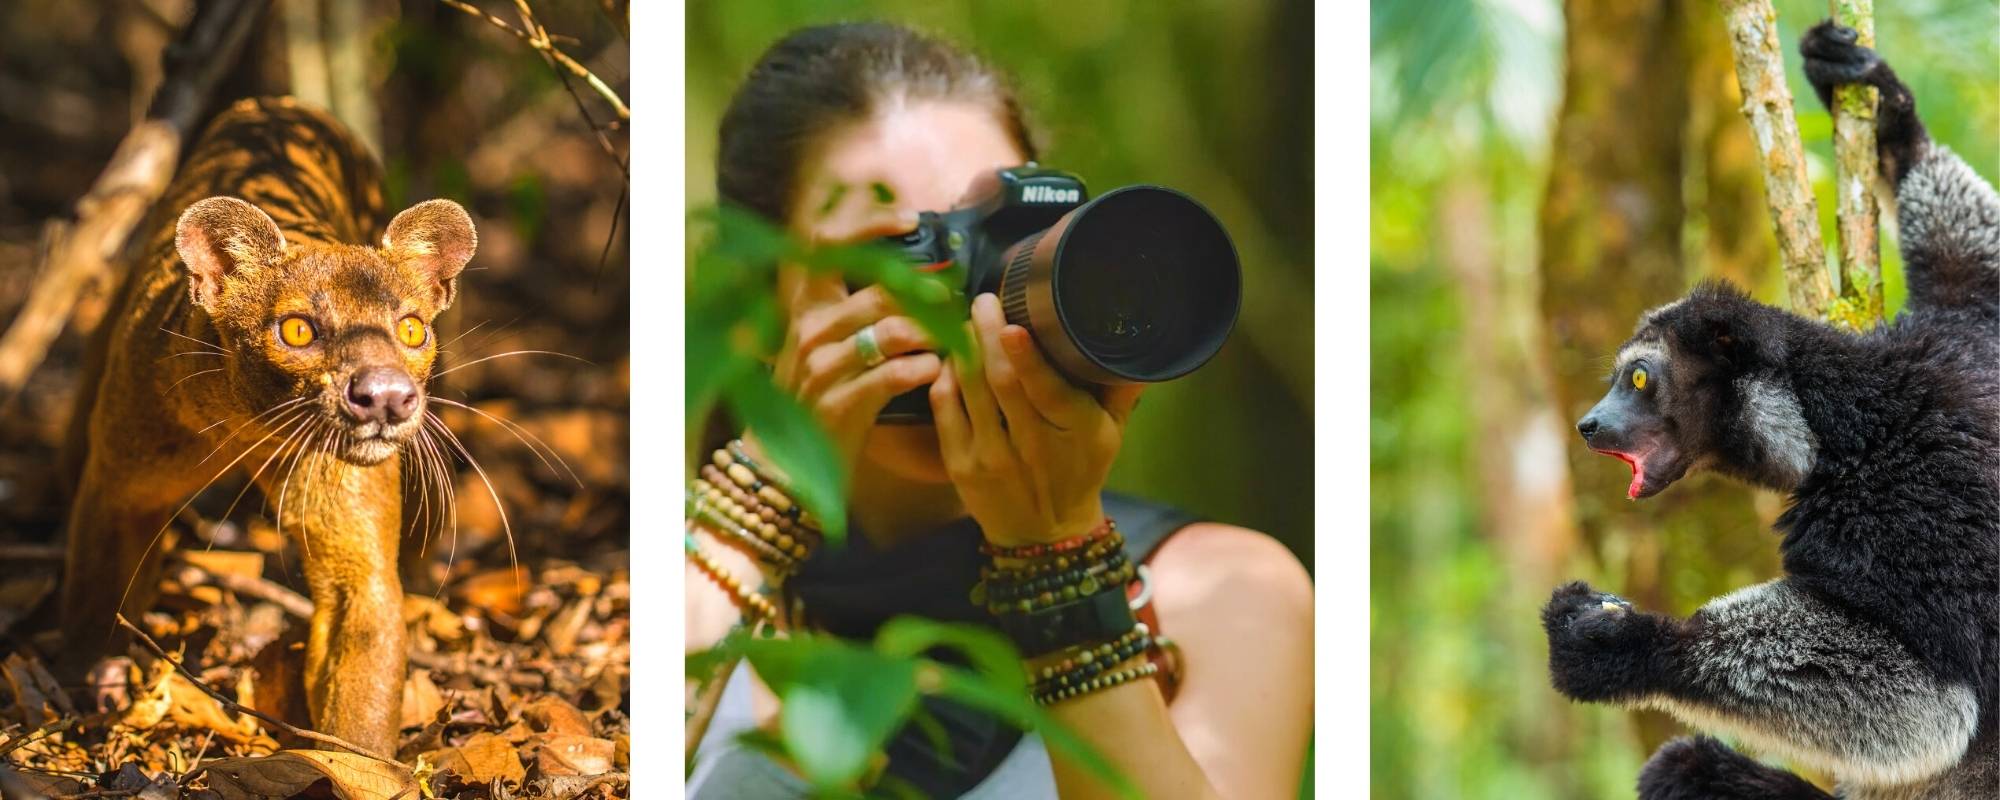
540, 41
238, 708
1855, 172
81, 253
1767, 103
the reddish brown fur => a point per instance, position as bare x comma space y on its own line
218, 278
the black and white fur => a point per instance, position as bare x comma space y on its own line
1876, 658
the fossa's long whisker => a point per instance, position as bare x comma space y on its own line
513, 557
246, 423
288, 419
523, 435
485, 359
211, 345
192, 376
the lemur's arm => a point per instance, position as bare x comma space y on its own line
1771, 664
1947, 217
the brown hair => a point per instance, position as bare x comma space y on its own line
819, 77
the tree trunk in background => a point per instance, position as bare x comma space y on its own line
1643, 140
1525, 500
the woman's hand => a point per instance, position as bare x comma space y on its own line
1028, 451
825, 367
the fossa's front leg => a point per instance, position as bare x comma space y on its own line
347, 520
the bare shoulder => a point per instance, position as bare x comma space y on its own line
1212, 570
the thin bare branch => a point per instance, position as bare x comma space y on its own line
234, 707
81, 253
540, 42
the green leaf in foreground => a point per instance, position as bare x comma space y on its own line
798, 446
840, 702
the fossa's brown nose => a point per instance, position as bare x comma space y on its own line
382, 394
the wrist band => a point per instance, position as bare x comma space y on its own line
1100, 617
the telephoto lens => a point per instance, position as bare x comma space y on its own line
1140, 285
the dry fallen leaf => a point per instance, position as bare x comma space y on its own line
551, 714
481, 759
421, 700
574, 755
169, 696
283, 774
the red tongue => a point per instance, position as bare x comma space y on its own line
1638, 474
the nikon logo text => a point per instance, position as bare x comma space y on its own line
1048, 194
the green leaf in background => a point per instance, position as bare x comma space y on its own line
796, 444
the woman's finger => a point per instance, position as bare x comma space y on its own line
858, 401
833, 322
836, 361
1119, 401
1063, 405
948, 414
981, 412
1001, 376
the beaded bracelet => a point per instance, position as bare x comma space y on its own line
751, 601
1041, 549
1088, 662
1045, 593
774, 490
766, 550
1103, 550
1099, 683
795, 542
767, 512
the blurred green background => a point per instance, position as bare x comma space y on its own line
1214, 99
1541, 172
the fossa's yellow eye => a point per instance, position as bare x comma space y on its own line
411, 331
1639, 378
296, 331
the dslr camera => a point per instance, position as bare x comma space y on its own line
1139, 285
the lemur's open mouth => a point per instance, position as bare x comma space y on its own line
1637, 461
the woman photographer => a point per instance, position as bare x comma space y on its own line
843, 133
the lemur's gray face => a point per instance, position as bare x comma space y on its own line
1701, 385
1633, 422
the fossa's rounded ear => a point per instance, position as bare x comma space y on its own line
436, 238
220, 235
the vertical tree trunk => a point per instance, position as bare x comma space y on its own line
1615, 241
1855, 174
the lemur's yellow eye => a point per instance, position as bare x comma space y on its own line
1639, 378
296, 331
411, 331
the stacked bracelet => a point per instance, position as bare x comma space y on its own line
1043, 549
1063, 604
753, 603
1078, 667
1098, 684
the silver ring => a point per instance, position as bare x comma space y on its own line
869, 349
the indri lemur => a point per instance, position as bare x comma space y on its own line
1874, 657
260, 333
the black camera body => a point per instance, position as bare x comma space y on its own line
1139, 285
